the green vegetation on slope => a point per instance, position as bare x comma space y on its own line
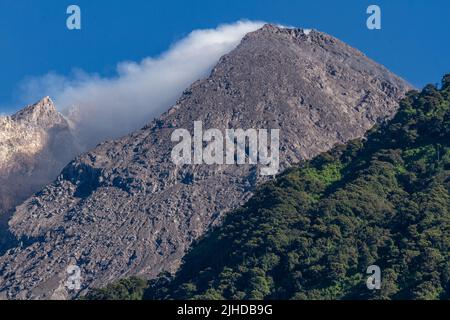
125, 289
312, 233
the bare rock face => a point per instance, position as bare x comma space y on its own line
35, 144
125, 209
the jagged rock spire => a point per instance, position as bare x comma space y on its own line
41, 113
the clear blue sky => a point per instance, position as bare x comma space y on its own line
414, 41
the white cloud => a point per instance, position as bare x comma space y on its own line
110, 107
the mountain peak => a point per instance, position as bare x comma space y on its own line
42, 112
318, 90
273, 28
46, 101
36, 139
312, 41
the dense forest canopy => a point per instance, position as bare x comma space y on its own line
312, 232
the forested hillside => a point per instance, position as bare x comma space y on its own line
312, 232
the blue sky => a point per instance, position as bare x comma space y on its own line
414, 41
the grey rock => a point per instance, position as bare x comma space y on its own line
125, 209
35, 145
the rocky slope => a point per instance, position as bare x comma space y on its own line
312, 233
35, 144
125, 209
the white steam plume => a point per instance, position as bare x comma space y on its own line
106, 108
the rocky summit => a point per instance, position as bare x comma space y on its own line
126, 209
35, 144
